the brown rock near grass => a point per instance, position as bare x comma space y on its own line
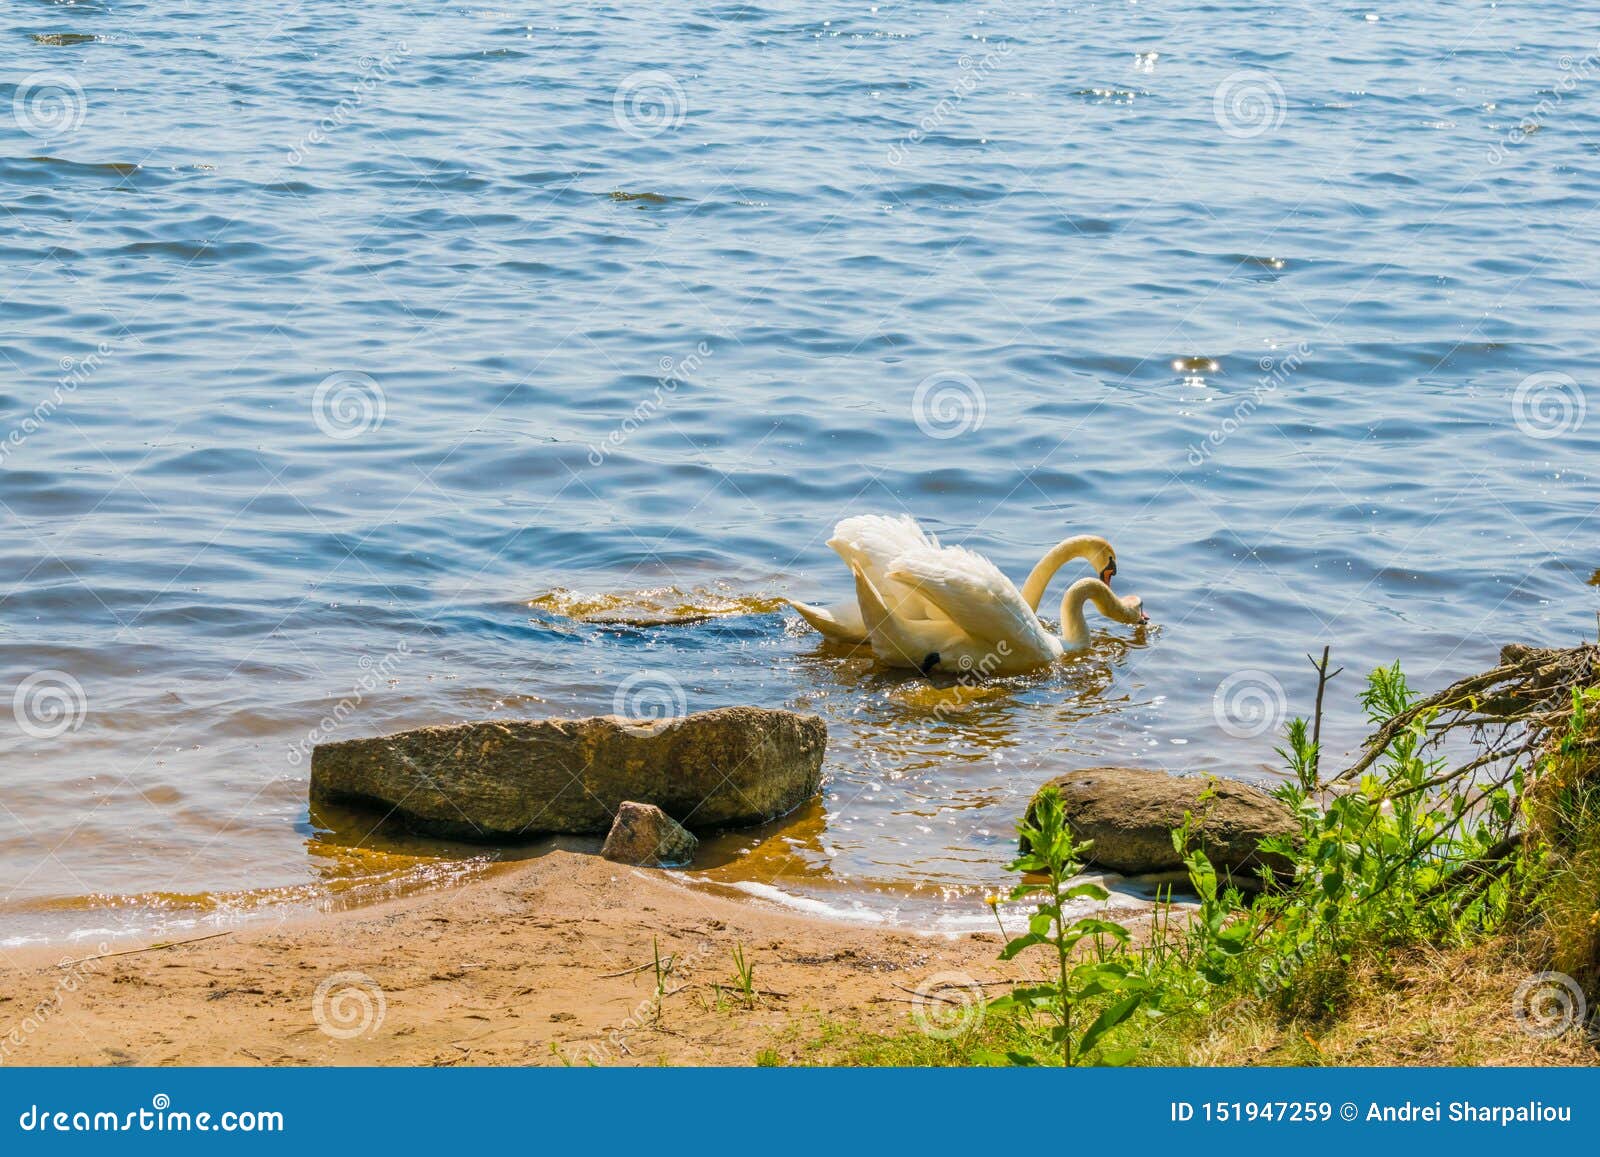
1130, 813
508, 780
647, 837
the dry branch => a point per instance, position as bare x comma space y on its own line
1528, 696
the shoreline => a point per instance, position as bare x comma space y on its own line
547, 962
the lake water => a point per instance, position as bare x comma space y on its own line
360, 352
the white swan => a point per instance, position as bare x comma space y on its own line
872, 542
988, 627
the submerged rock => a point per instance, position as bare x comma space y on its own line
1130, 814
655, 607
642, 198
648, 837
508, 780
647, 618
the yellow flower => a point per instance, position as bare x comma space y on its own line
992, 900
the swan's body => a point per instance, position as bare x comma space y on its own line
871, 543
986, 626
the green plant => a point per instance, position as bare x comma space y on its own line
1301, 756
1105, 979
1220, 931
663, 968
745, 971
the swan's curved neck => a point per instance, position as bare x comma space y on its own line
1063, 552
1074, 623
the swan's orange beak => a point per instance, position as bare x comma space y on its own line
1109, 571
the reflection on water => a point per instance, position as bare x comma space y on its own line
494, 397
342, 876
927, 777
662, 606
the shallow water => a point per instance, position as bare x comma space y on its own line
376, 349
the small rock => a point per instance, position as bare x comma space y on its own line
1130, 814
646, 836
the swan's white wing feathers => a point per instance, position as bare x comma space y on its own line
871, 542
969, 590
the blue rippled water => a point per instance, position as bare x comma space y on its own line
359, 351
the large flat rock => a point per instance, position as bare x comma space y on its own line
1130, 814
507, 780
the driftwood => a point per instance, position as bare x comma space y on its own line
1511, 709
147, 948
1514, 712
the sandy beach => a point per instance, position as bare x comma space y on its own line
545, 962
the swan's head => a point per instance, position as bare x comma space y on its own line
1102, 558
1131, 610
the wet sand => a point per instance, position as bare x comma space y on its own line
544, 962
